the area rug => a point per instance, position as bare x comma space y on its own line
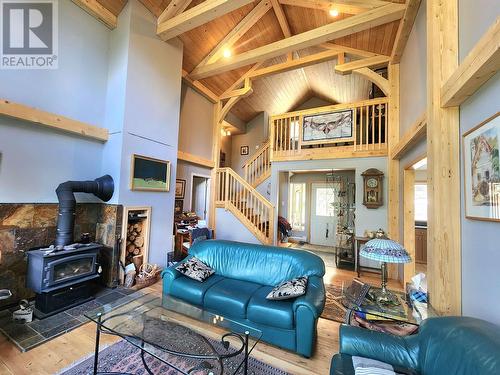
123, 357
333, 306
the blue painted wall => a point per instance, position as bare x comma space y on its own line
480, 250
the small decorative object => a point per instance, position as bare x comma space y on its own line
148, 275
85, 238
373, 192
149, 174
386, 251
482, 170
180, 188
179, 204
222, 159
289, 289
244, 150
380, 233
24, 314
195, 269
331, 127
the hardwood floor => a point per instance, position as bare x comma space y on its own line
57, 354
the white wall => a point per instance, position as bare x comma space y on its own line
480, 251
231, 229
35, 160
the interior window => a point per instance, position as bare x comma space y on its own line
421, 202
325, 199
297, 207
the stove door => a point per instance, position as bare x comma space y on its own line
70, 269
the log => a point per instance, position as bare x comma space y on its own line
137, 251
139, 241
130, 248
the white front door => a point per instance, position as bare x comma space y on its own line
323, 222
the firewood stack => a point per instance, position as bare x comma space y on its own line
135, 241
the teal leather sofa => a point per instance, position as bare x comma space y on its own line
448, 345
244, 275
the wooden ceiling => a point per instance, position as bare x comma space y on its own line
280, 92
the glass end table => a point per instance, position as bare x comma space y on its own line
162, 328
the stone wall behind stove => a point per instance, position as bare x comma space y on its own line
25, 225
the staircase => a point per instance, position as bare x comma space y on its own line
258, 167
242, 199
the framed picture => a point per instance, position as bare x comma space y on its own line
149, 174
178, 207
244, 150
331, 127
482, 170
180, 188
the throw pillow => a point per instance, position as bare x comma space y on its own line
195, 269
289, 289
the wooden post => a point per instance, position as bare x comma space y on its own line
393, 165
443, 152
409, 221
215, 157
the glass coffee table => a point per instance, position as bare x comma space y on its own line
168, 330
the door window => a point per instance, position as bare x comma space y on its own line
325, 201
297, 207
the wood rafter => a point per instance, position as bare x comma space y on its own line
52, 120
174, 8
199, 87
245, 91
343, 6
348, 26
417, 132
348, 50
236, 33
242, 79
404, 30
370, 62
95, 9
482, 63
381, 82
280, 15
197, 16
228, 106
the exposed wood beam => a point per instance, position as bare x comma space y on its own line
242, 79
295, 64
343, 6
95, 9
351, 25
52, 120
228, 106
348, 50
482, 63
190, 158
404, 30
341, 58
370, 62
409, 222
174, 8
199, 87
197, 16
417, 132
243, 92
280, 15
237, 32
381, 82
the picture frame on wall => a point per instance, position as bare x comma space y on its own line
178, 207
244, 150
332, 127
180, 188
481, 163
149, 174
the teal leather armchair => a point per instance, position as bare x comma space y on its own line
244, 275
447, 345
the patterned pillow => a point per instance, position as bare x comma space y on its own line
289, 289
195, 269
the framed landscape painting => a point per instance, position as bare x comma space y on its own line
482, 170
149, 174
331, 127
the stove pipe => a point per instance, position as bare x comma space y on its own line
102, 187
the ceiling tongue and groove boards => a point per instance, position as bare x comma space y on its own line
311, 43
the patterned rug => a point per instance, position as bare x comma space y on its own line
123, 357
333, 306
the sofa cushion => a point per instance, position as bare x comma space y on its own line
265, 265
191, 290
230, 297
289, 289
270, 313
195, 269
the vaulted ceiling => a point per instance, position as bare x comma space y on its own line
280, 92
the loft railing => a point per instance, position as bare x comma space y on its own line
248, 205
344, 130
258, 166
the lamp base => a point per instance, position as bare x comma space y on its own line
386, 297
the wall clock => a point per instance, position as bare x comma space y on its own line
373, 192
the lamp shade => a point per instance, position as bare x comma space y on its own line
385, 250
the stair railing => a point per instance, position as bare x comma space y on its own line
258, 166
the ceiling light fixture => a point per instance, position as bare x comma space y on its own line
334, 12
227, 53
